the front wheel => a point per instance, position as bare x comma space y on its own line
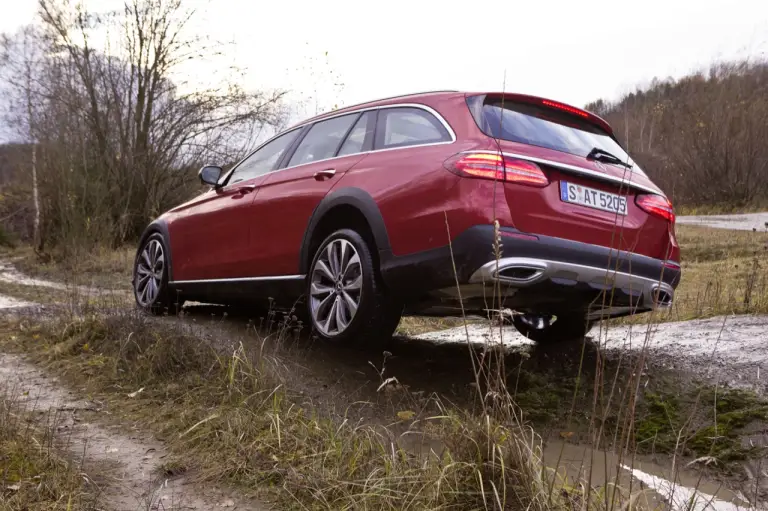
150, 277
346, 300
547, 328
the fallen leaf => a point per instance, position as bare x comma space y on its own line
13, 487
134, 394
566, 434
389, 381
406, 415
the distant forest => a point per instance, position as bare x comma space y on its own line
702, 138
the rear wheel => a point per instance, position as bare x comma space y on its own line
548, 328
346, 300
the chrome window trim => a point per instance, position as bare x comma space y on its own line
239, 279
579, 170
357, 111
393, 105
361, 152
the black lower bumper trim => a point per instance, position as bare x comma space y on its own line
434, 269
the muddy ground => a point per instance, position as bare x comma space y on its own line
432, 364
723, 351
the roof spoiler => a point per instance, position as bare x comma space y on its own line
556, 105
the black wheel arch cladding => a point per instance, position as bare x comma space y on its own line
349, 196
159, 226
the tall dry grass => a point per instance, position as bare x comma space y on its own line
34, 475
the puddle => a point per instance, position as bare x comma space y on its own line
9, 274
679, 489
6, 302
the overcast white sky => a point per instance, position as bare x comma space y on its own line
571, 50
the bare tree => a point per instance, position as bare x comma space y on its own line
114, 135
20, 59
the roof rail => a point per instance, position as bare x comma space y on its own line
390, 97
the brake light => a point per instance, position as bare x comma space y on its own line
657, 205
489, 166
524, 172
565, 108
498, 167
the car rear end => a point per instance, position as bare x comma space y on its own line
581, 224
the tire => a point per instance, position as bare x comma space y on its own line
150, 277
346, 301
564, 327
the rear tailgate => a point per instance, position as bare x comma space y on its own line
586, 200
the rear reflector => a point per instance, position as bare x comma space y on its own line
498, 167
656, 205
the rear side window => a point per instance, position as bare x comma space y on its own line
541, 126
407, 126
322, 140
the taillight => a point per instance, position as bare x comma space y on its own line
656, 205
489, 166
496, 166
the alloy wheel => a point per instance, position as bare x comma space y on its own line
336, 287
537, 321
149, 273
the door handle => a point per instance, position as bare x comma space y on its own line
246, 189
322, 174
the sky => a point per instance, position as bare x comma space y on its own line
340, 52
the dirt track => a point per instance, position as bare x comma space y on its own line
743, 222
125, 468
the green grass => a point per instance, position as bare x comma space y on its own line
705, 422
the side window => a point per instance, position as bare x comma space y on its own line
322, 140
405, 126
264, 159
361, 137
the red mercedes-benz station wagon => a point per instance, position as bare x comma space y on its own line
390, 208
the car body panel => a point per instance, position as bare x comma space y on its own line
211, 234
283, 208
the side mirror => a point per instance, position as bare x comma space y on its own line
210, 175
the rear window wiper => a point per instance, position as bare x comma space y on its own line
604, 156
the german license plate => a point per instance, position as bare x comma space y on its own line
592, 198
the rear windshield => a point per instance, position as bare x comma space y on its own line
540, 126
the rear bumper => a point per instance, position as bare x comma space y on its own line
544, 272
522, 272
